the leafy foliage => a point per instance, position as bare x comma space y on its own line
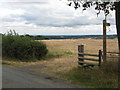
100, 6
14, 46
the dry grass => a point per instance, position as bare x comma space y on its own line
66, 62
91, 45
71, 45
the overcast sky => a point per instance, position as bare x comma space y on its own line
51, 17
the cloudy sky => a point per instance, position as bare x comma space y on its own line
51, 17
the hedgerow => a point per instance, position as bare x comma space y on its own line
14, 46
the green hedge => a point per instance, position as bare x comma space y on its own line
22, 48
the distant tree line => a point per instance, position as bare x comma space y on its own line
37, 37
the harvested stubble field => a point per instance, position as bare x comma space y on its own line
67, 49
91, 45
68, 61
65, 66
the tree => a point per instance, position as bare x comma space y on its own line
101, 6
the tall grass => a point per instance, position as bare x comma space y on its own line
105, 76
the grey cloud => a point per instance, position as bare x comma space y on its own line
43, 19
47, 16
24, 3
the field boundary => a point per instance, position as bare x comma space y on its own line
82, 58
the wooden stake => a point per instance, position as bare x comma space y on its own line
100, 54
80, 50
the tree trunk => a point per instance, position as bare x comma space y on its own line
118, 22
117, 6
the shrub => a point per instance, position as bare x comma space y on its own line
39, 49
22, 48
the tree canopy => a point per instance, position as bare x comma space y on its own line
100, 6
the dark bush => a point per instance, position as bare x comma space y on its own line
22, 48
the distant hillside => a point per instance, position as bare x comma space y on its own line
34, 37
81, 36
46, 37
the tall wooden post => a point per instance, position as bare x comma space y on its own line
104, 41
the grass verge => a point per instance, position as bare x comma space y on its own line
103, 77
56, 54
50, 55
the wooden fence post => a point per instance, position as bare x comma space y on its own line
100, 55
80, 50
104, 41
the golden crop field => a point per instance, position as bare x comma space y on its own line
91, 45
66, 62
